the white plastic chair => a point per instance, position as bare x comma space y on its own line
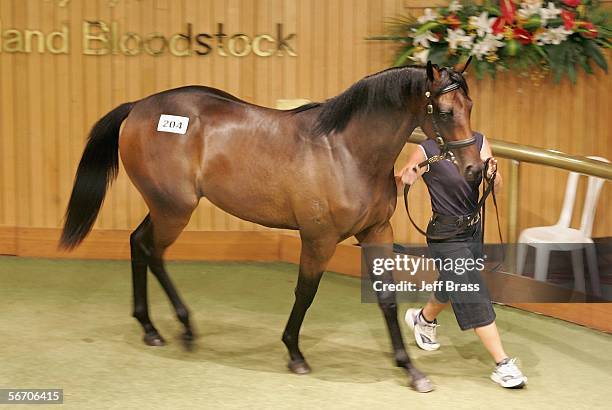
560, 237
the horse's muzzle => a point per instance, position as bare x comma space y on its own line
472, 171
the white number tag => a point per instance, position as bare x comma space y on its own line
173, 123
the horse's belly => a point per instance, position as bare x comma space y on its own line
264, 208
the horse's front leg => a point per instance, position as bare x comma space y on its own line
315, 255
377, 242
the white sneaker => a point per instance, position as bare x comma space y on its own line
424, 333
508, 375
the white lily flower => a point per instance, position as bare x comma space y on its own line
528, 9
549, 13
489, 44
429, 15
424, 39
555, 36
421, 57
482, 24
458, 38
455, 6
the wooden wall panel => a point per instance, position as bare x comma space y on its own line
49, 102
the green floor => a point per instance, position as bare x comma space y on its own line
67, 324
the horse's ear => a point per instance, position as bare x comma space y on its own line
467, 63
432, 72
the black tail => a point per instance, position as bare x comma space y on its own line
97, 170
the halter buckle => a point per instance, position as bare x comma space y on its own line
451, 157
429, 108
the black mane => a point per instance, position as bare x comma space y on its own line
384, 90
387, 89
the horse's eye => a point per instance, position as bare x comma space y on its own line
445, 115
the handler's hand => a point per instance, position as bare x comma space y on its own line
492, 168
407, 176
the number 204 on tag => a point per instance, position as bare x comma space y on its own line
173, 123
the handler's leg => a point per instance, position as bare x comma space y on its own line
506, 373
433, 308
489, 336
382, 237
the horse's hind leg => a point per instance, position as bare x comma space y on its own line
139, 246
313, 261
157, 232
380, 241
166, 228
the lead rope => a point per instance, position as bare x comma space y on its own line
491, 184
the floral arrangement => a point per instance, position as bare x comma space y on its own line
532, 37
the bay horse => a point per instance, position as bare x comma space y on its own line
324, 169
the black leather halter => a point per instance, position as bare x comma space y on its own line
445, 145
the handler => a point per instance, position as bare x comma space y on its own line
454, 232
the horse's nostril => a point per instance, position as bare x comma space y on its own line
469, 171
472, 170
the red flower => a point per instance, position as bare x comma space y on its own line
568, 19
591, 30
453, 21
571, 3
523, 36
498, 25
508, 9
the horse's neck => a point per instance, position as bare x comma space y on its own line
377, 140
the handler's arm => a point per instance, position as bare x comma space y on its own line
411, 172
485, 152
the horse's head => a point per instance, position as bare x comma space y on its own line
447, 118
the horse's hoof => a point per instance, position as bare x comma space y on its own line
188, 336
154, 339
299, 367
188, 339
422, 385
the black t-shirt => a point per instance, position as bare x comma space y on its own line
450, 193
